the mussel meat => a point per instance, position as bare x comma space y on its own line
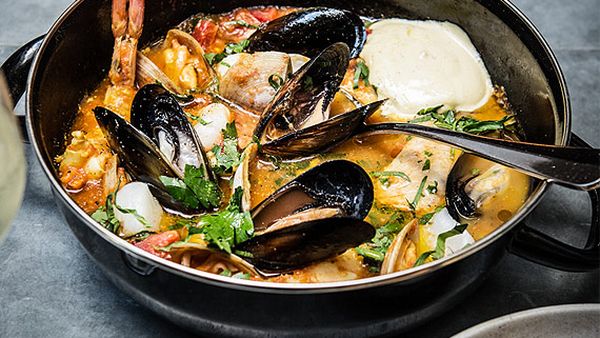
157, 114
309, 31
466, 194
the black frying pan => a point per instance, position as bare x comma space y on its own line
74, 57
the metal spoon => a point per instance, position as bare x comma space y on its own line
569, 166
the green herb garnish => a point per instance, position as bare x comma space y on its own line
433, 188
361, 72
230, 49
105, 214
440, 248
426, 165
194, 190
227, 156
229, 227
377, 174
415, 202
448, 120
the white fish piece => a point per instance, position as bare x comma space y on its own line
214, 119
398, 192
419, 64
246, 82
136, 196
442, 222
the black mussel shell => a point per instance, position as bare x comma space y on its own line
154, 111
322, 136
338, 184
309, 242
309, 31
307, 92
140, 156
458, 202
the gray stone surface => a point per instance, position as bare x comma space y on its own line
49, 287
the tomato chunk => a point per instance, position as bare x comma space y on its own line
153, 243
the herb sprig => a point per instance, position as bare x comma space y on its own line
440, 248
448, 120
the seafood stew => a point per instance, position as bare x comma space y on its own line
192, 148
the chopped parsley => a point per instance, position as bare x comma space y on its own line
241, 275
276, 81
105, 214
448, 120
426, 165
427, 217
440, 248
227, 156
378, 174
433, 188
230, 49
194, 190
229, 227
415, 201
361, 73
475, 171
384, 236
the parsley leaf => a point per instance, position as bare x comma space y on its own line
194, 190
448, 120
377, 174
426, 165
384, 236
105, 214
230, 48
229, 227
361, 72
227, 156
440, 248
415, 202
206, 191
433, 188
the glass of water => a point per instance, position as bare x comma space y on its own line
12, 167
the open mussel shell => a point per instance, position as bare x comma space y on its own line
322, 136
459, 203
156, 113
340, 186
309, 31
141, 157
309, 242
304, 98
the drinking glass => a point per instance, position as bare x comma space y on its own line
12, 162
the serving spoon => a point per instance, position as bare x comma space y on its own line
573, 167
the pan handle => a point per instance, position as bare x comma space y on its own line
16, 69
540, 248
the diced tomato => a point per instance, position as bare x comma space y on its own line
205, 32
157, 241
265, 14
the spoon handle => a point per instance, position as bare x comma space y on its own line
569, 166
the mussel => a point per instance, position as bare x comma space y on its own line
304, 98
159, 142
465, 194
309, 31
316, 216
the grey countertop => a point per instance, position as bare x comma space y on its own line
49, 286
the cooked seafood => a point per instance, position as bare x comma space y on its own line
233, 145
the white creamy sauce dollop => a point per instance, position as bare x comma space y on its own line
419, 64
